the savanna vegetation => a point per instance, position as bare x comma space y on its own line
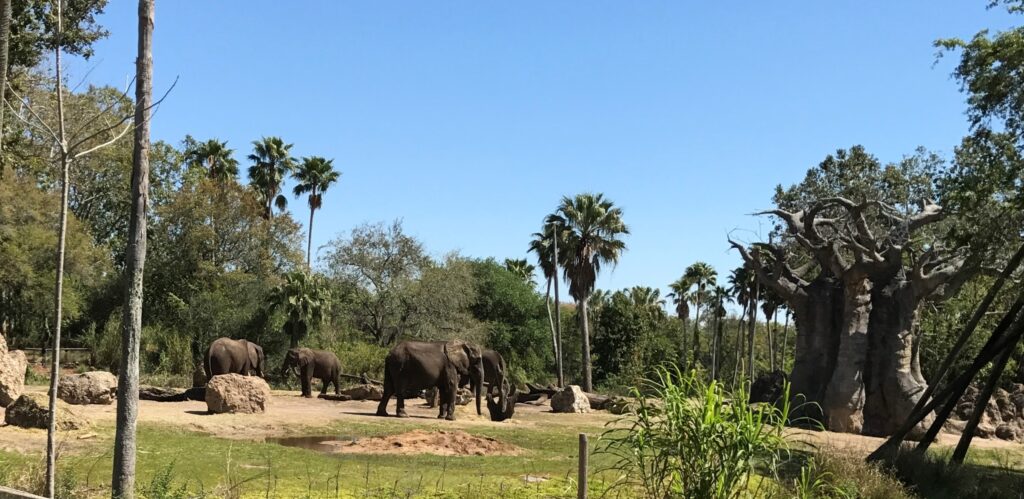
860, 294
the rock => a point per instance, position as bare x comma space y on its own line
464, 397
954, 425
364, 392
570, 399
1007, 432
1002, 401
158, 394
31, 410
985, 430
13, 365
234, 393
1017, 399
95, 387
768, 387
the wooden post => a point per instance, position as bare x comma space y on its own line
582, 478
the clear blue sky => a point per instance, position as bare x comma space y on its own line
471, 119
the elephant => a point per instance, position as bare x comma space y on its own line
505, 406
226, 356
494, 377
309, 364
417, 365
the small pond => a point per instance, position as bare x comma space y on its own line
319, 443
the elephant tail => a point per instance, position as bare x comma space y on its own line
206, 367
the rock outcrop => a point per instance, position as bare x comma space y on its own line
364, 392
1003, 417
94, 387
234, 393
31, 410
12, 373
571, 399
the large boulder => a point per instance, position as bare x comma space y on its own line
571, 399
31, 410
13, 365
234, 393
364, 392
94, 387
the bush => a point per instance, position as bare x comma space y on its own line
694, 439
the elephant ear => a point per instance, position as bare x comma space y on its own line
453, 351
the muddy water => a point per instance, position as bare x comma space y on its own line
320, 443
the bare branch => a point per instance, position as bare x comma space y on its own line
115, 125
784, 287
32, 111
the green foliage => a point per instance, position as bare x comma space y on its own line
314, 176
628, 327
591, 227
692, 440
272, 162
515, 320
302, 299
213, 156
32, 28
161, 486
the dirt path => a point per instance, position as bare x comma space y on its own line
289, 414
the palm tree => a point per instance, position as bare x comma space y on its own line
543, 244
315, 175
648, 299
681, 296
719, 297
701, 275
271, 162
521, 268
593, 226
740, 283
215, 157
303, 298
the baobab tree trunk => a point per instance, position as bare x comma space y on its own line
123, 479
844, 400
893, 380
585, 323
816, 315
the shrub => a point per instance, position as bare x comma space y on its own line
694, 439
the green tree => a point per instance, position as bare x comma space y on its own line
314, 176
521, 268
303, 299
702, 276
593, 229
213, 156
681, 297
272, 162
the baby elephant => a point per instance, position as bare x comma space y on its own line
308, 364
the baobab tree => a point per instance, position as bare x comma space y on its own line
867, 239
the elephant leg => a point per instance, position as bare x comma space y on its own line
307, 390
441, 399
325, 383
337, 383
449, 403
389, 389
400, 405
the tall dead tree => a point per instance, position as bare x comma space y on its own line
856, 308
123, 477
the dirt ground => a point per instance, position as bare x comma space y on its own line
289, 414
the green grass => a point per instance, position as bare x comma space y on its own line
239, 468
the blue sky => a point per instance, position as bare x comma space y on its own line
470, 120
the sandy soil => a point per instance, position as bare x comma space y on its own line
289, 415
440, 442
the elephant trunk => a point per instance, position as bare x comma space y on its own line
478, 384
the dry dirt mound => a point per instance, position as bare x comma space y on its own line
439, 442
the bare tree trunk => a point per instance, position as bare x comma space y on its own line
696, 331
844, 400
585, 322
5, 41
785, 341
551, 322
738, 367
65, 167
714, 347
771, 341
123, 480
558, 315
309, 240
752, 327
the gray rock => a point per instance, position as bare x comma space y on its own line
234, 393
13, 365
31, 410
364, 392
571, 399
95, 387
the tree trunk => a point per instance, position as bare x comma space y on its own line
685, 348
309, 241
5, 41
844, 400
123, 479
696, 331
65, 168
771, 341
785, 342
551, 322
816, 315
738, 367
893, 381
751, 330
585, 322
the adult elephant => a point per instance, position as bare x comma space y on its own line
418, 365
494, 380
308, 364
228, 356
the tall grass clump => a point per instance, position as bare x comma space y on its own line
684, 437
